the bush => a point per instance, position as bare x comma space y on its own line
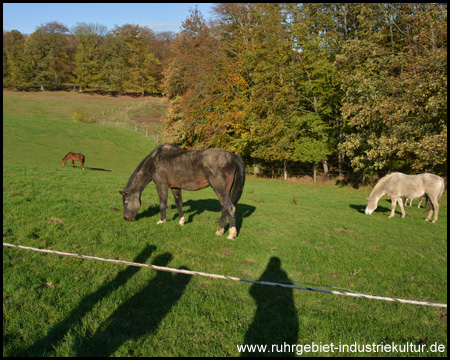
82, 116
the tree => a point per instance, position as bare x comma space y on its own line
86, 60
16, 61
394, 79
48, 47
114, 53
140, 59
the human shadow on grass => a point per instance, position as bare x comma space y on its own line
276, 318
140, 315
57, 333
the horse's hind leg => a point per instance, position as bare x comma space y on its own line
228, 209
179, 202
435, 206
222, 221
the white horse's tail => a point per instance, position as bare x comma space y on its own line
442, 189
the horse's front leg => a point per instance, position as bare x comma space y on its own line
179, 202
393, 205
162, 193
73, 163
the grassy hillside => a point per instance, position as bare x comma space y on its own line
287, 232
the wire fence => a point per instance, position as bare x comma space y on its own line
232, 278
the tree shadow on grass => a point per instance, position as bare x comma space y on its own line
58, 332
276, 318
138, 316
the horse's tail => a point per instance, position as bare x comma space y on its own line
239, 180
442, 189
84, 157
441, 192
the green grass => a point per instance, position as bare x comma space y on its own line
62, 306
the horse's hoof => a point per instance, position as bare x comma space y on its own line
220, 232
233, 233
160, 222
182, 221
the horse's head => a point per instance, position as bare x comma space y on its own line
131, 204
371, 206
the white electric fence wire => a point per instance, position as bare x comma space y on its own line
214, 276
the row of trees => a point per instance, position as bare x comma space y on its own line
126, 59
360, 86
363, 85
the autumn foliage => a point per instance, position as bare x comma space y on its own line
359, 87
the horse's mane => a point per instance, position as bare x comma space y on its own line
154, 154
130, 180
66, 155
384, 179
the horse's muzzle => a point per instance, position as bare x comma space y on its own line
128, 218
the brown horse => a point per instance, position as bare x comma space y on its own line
74, 156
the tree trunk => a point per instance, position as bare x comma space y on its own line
325, 167
256, 170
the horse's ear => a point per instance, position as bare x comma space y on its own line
122, 192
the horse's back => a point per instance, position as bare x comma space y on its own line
414, 186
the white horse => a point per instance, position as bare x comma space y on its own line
398, 185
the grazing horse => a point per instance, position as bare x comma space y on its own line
74, 157
398, 185
420, 201
171, 167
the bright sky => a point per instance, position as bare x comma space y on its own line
159, 17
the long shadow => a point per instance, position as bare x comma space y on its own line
362, 208
193, 208
96, 169
276, 318
57, 333
138, 316
151, 211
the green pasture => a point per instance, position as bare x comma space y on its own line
287, 232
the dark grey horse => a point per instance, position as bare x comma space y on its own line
171, 167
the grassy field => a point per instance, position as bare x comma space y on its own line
287, 232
